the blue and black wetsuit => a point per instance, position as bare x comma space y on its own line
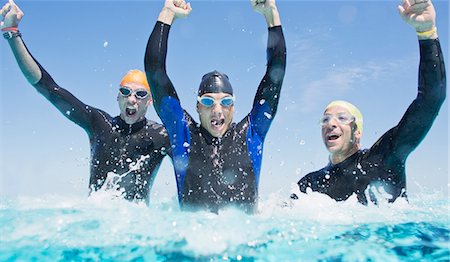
212, 172
114, 144
384, 163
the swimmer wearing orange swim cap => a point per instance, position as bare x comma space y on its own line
135, 76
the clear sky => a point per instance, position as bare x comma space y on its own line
360, 51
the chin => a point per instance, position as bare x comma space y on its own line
130, 120
333, 149
215, 134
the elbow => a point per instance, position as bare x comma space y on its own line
444, 94
434, 100
276, 74
152, 61
153, 68
440, 96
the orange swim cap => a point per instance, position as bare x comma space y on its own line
135, 76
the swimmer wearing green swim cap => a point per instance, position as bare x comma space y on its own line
382, 167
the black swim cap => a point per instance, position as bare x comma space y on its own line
215, 82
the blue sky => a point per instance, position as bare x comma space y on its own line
360, 51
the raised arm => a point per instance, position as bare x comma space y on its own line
268, 93
12, 15
156, 53
420, 115
64, 101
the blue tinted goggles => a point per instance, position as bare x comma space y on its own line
208, 101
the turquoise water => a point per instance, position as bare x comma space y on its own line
315, 228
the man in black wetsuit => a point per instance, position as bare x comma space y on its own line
380, 170
126, 150
217, 163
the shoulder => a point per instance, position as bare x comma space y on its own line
189, 120
313, 176
243, 124
153, 124
98, 115
156, 128
384, 143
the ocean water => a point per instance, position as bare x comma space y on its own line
313, 228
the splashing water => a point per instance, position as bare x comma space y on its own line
111, 187
312, 228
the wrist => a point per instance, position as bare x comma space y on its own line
10, 29
9, 34
429, 34
272, 17
166, 16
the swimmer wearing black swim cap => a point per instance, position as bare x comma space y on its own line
215, 82
218, 162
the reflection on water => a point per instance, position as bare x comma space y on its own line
312, 228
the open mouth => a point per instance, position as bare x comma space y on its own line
332, 137
217, 123
130, 111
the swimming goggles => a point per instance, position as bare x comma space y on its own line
342, 118
209, 101
138, 93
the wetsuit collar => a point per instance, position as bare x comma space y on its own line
129, 129
210, 139
348, 160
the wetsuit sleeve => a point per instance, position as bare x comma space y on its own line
268, 93
155, 68
64, 101
165, 99
420, 115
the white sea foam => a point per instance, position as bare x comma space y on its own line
282, 229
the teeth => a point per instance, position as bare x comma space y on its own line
217, 122
131, 111
332, 136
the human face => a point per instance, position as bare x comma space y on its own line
132, 108
339, 134
216, 118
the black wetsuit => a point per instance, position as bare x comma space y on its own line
384, 163
211, 172
115, 145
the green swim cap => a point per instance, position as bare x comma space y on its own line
352, 109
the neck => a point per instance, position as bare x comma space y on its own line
340, 157
129, 128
